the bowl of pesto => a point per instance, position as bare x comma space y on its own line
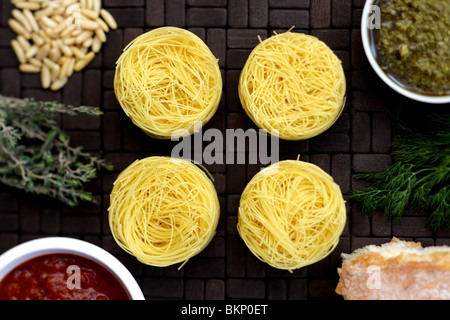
407, 42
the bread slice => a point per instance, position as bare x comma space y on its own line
398, 270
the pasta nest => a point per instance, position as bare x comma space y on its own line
166, 80
163, 210
293, 86
291, 214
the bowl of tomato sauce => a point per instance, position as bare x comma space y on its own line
62, 268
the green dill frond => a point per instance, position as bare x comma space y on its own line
419, 178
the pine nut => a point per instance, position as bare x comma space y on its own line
77, 52
91, 14
29, 68
88, 43
89, 4
52, 65
28, 5
58, 84
97, 6
88, 24
81, 64
44, 12
18, 28
32, 20
65, 65
96, 45
20, 17
45, 77
43, 52
58, 38
54, 54
71, 67
84, 36
68, 3
18, 50
102, 25
109, 19
49, 22
23, 43
68, 41
31, 52
36, 62
37, 39
100, 35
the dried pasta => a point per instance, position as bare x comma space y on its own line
293, 85
167, 79
291, 214
163, 210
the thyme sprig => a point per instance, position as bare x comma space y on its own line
36, 155
419, 178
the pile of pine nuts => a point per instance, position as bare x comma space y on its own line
58, 37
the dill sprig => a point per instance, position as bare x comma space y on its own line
419, 178
35, 154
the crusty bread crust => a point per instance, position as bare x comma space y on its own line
398, 270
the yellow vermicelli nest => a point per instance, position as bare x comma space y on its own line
163, 210
167, 79
293, 83
291, 214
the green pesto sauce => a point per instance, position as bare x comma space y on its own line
413, 43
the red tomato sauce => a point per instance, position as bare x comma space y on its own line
47, 277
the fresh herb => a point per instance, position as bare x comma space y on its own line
35, 154
419, 179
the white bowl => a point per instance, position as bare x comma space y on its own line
366, 41
34, 248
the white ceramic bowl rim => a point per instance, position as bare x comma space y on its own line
34, 248
374, 63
